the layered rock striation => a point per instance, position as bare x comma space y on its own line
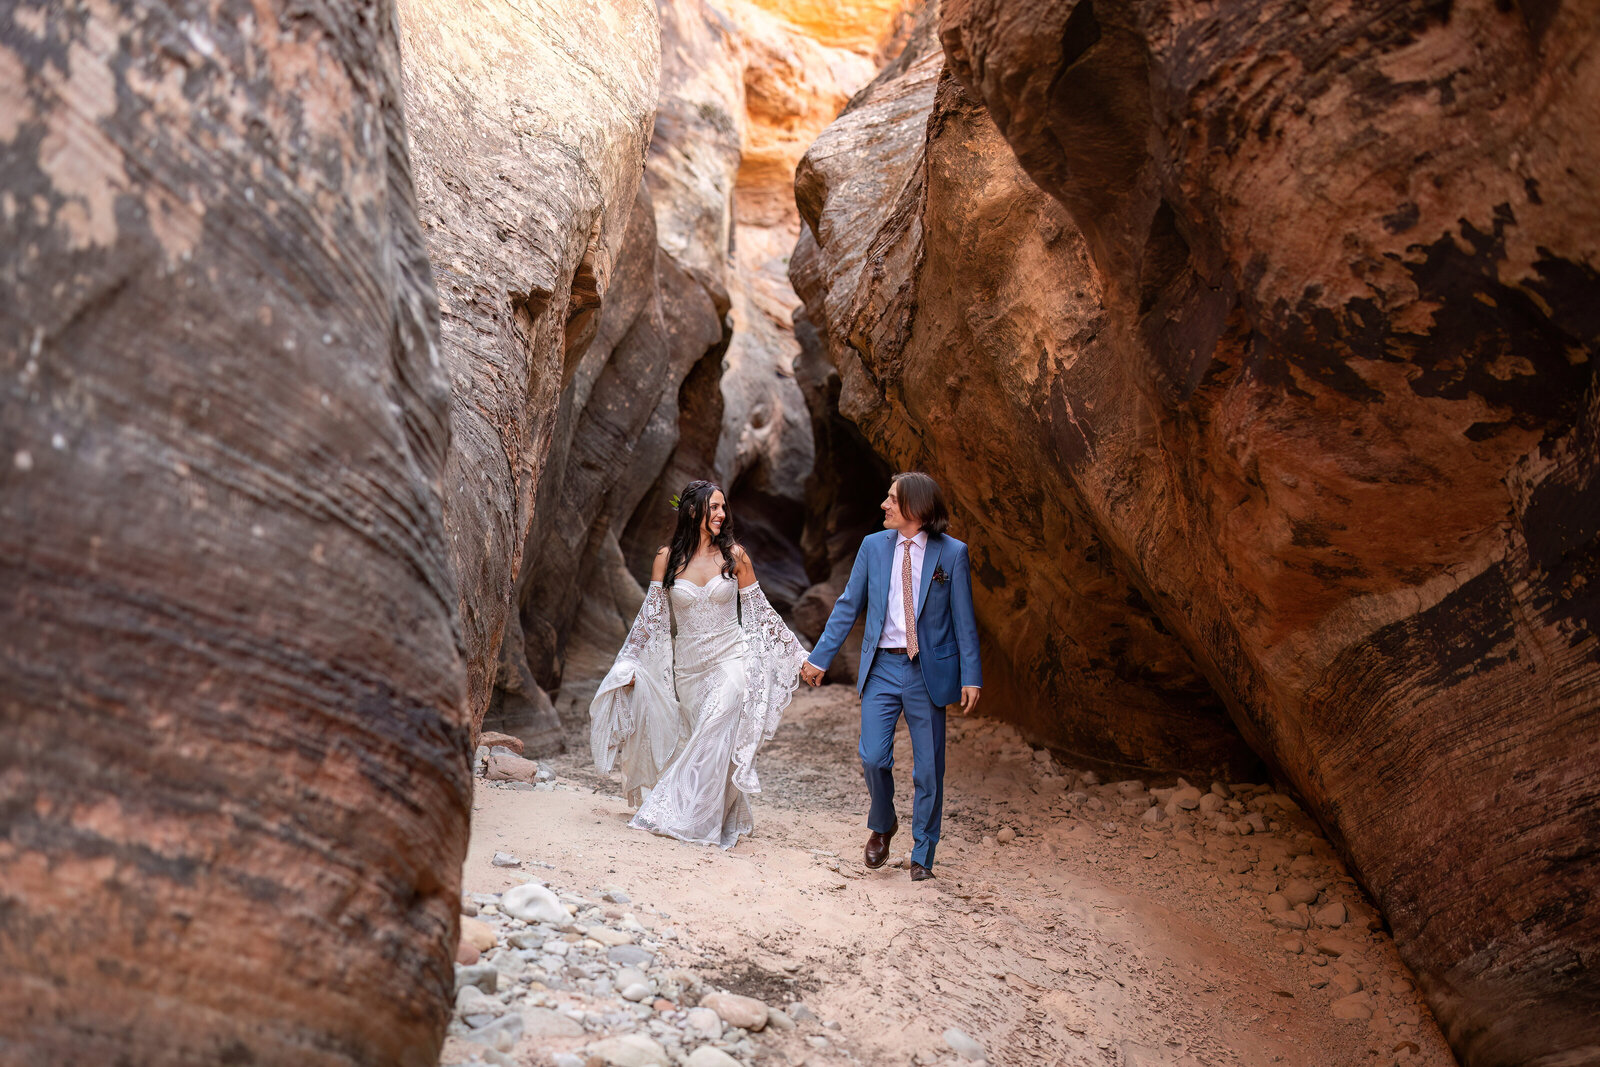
529, 129
1300, 349
233, 713
949, 290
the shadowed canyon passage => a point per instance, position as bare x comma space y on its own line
351, 352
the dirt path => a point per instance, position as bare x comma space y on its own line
1089, 938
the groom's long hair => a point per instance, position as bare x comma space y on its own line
693, 504
920, 498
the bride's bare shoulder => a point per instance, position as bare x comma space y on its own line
658, 570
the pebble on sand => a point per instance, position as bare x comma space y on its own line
477, 933
505, 767
533, 903
629, 1050
1332, 915
1006, 835
736, 1010
705, 1021
505, 859
964, 1046
709, 1056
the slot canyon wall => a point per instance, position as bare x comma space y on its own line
234, 781
687, 367
1257, 346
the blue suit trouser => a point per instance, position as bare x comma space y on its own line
895, 687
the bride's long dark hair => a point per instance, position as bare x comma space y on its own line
694, 503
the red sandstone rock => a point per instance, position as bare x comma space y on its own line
1315, 375
498, 740
233, 716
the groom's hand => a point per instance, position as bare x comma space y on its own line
969, 698
810, 673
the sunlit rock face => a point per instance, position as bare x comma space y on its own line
233, 714
1312, 365
529, 127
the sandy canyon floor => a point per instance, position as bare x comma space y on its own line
1062, 927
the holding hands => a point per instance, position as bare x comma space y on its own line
811, 674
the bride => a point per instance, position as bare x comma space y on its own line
699, 684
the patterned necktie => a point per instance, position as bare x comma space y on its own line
906, 596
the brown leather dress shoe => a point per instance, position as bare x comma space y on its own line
919, 873
878, 847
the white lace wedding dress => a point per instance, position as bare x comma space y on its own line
688, 760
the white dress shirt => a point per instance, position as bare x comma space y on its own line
894, 621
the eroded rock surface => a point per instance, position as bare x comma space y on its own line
529, 130
691, 374
1316, 374
233, 716
938, 286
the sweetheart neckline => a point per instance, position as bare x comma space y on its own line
697, 585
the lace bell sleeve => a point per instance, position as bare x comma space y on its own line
772, 674
633, 720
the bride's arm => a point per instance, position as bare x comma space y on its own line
743, 569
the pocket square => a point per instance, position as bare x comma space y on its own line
939, 575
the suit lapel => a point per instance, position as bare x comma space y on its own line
930, 563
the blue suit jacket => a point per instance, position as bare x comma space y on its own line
947, 628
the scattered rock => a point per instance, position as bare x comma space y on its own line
616, 896
629, 1050
545, 1022
467, 953
710, 1056
1347, 982
1332, 915
499, 1034
482, 975
1006, 835
533, 903
505, 859
1210, 803
800, 1013
736, 1010
609, 937
505, 767
705, 1021
1185, 799
1221, 790
1335, 946
636, 992
1300, 891
1277, 903
477, 933
964, 1046
497, 740
779, 1020
1129, 788
630, 956
1291, 943
469, 907
1354, 1006
1153, 816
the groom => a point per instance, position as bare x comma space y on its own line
919, 653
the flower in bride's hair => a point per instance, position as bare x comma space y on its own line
675, 502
